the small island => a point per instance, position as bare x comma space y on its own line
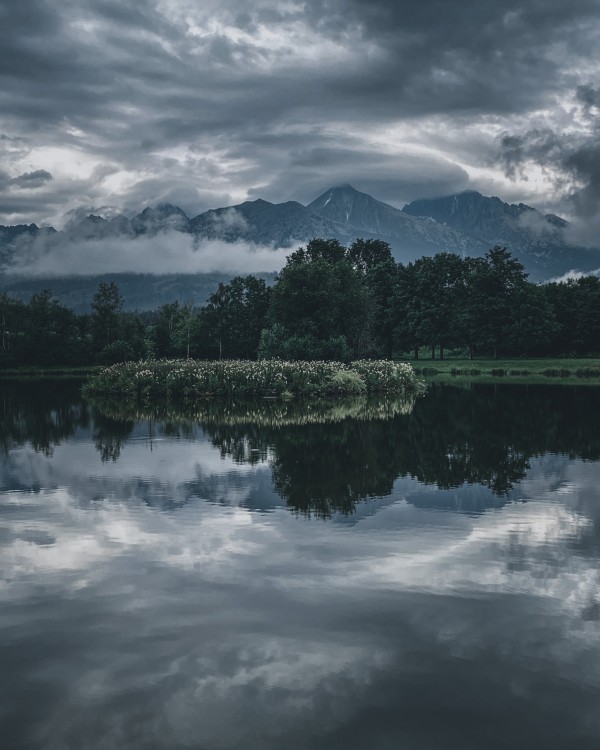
192, 379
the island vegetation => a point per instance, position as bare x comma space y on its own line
189, 380
329, 303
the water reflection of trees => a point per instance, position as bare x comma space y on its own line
327, 457
330, 468
42, 413
110, 435
483, 435
262, 412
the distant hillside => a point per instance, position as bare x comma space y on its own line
361, 215
467, 224
12, 237
264, 223
538, 240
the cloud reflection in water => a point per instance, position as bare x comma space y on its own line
134, 613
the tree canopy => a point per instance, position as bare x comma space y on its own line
328, 302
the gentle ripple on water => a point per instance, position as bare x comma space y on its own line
417, 580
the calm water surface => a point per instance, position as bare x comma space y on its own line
358, 575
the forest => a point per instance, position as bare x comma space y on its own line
329, 302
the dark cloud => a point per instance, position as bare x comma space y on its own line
589, 96
32, 180
474, 56
570, 159
177, 96
394, 178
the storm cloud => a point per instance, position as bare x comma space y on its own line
207, 104
570, 160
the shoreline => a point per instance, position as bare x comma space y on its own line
543, 370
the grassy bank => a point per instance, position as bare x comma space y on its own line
540, 370
54, 371
191, 379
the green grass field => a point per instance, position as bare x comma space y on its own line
550, 370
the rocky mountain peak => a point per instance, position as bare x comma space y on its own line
466, 223
346, 205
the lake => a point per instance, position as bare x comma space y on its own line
371, 574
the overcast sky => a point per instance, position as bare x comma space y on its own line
107, 105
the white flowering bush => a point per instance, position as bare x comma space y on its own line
347, 381
384, 376
191, 379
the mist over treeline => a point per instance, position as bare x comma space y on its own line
51, 255
328, 302
256, 236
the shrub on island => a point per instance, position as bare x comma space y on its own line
190, 379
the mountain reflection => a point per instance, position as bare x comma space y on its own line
326, 457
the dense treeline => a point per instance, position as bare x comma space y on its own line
329, 302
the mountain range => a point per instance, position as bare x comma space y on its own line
466, 223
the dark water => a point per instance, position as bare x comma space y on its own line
361, 575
